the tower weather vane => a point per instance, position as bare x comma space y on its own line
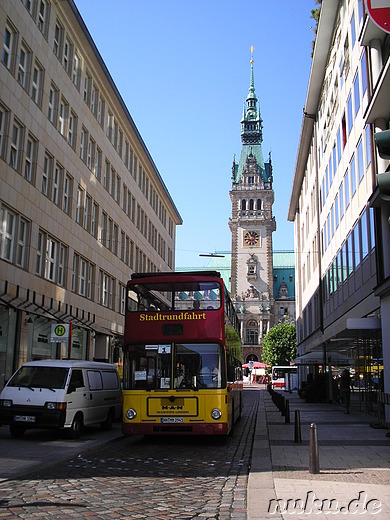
252, 49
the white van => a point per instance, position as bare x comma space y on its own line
61, 394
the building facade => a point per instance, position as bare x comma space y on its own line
82, 204
340, 236
252, 224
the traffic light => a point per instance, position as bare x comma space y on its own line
382, 140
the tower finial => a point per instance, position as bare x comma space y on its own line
252, 50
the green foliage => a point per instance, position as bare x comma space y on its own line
280, 345
233, 342
315, 14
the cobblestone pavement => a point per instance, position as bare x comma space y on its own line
146, 478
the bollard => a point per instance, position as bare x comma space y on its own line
297, 427
287, 412
314, 463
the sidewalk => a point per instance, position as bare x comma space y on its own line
354, 463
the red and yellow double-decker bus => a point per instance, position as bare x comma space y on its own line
182, 355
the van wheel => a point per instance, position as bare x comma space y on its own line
17, 431
106, 425
77, 427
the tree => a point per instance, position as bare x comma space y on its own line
315, 14
280, 345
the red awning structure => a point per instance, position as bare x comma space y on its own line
256, 364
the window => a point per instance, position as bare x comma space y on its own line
338, 146
67, 57
13, 237
353, 175
57, 183
91, 153
360, 160
82, 276
363, 67
341, 192
37, 81
94, 219
43, 16
53, 105
83, 144
97, 168
356, 93
106, 290
67, 199
106, 177
16, 145
372, 228
80, 206
365, 231
350, 113
63, 116
72, 129
87, 88
100, 112
24, 66
8, 48
87, 212
46, 174
346, 189
58, 40
122, 301
252, 333
51, 259
3, 128
103, 231
29, 6
76, 71
336, 210
356, 243
29, 162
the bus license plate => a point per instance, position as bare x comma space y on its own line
175, 420
24, 418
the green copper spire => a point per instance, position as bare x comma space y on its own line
251, 133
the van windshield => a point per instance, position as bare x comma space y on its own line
40, 377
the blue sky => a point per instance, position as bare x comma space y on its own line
183, 70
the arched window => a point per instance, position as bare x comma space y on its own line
251, 204
258, 204
243, 205
252, 333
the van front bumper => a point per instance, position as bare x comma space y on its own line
32, 417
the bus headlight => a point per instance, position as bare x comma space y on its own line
216, 414
130, 414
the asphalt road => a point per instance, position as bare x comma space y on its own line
128, 477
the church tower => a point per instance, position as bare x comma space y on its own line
252, 225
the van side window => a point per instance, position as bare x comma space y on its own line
95, 380
110, 381
76, 379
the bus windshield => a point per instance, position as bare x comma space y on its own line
176, 366
176, 296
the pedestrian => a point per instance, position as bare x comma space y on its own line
345, 389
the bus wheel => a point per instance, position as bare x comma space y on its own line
77, 426
17, 431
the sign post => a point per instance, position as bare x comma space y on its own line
61, 333
379, 12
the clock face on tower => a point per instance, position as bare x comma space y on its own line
251, 238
